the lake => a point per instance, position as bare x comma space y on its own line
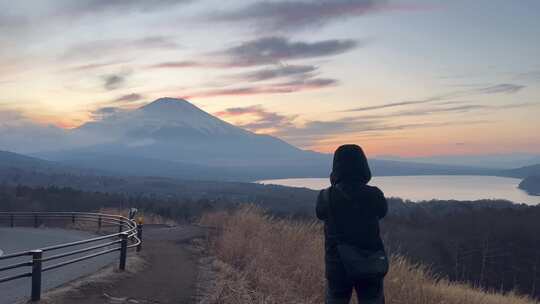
443, 187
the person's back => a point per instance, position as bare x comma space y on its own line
351, 211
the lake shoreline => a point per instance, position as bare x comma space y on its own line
433, 187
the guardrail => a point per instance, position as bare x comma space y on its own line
129, 235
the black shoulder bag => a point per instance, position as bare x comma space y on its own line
359, 264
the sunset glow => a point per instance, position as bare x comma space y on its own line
407, 78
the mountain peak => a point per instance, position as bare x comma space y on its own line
168, 102
176, 116
171, 107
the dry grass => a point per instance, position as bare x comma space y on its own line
261, 259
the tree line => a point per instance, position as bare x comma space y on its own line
490, 244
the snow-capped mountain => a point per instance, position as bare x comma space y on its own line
173, 131
164, 118
173, 138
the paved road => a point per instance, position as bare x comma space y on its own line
169, 278
21, 239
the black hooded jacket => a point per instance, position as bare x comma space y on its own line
351, 209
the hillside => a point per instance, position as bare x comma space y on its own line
14, 160
256, 253
523, 172
16, 169
10, 161
174, 130
531, 184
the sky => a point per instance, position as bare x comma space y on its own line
406, 78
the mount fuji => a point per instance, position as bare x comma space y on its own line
172, 137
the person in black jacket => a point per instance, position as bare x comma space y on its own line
351, 211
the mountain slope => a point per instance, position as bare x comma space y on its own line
175, 130
531, 185
523, 172
10, 160
171, 137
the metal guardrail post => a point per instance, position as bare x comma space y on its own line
139, 236
36, 274
120, 228
123, 251
99, 223
37, 264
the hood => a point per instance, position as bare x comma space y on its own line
350, 165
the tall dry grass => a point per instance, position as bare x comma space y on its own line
267, 260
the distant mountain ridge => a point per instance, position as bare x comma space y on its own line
493, 161
173, 138
10, 160
523, 172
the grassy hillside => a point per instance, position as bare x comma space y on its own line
268, 260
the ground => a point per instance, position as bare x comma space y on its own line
20, 239
168, 273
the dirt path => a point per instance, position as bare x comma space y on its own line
169, 274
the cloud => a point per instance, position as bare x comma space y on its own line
179, 64
106, 112
17, 17
277, 88
263, 119
295, 15
9, 117
319, 130
315, 83
114, 81
272, 50
8, 21
284, 126
129, 98
394, 104
430, 111
505, 88
107, 48
530, 75
444, 110
313, 131
83, 7
93, 66
266, 51
519, 105
158, 42
21, 134
297, 71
